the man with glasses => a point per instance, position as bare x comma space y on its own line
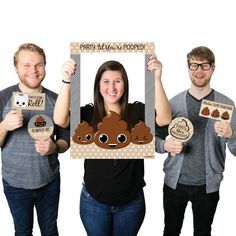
194, 170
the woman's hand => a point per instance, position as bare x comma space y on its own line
68, 69
156, 65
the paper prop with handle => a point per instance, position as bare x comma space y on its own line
216, 111
25, 101
40, 127
180, 129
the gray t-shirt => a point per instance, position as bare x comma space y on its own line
22, 166
193, 171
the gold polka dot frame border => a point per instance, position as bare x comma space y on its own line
92, 151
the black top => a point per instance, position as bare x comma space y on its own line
115, 181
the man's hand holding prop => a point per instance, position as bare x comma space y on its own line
220, 112
40, 128
180, 131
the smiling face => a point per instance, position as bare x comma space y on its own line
112, 132
21, 100
200, 78
30, 68
111, 90
111, 87
83, 134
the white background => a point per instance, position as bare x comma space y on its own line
175, 27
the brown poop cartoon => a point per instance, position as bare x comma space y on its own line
225, 116
180, 129
40, 122
215, 113
112, 132
205, 111
83, 134
141, 134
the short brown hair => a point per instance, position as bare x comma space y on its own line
201, 53
30, 47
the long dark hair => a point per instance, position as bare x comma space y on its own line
99, 107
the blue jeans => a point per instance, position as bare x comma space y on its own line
203, 207
22, 201
105, 220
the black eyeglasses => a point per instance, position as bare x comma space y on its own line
205, 66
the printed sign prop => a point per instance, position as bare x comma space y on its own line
40, 127
215, 110
181, 129
89, 143
27, 101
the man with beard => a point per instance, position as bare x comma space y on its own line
194, 170
30, 168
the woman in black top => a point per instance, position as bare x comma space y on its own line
112, 200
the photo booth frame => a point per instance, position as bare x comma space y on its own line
78, 50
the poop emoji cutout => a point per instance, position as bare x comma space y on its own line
215, 113
141, 134
181, 129
83, 134
40, 121
40, 127
225, 116
112, 132
205, 111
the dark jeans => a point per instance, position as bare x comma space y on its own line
104, 220
203, 207
22, 201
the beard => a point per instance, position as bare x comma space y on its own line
32, 83
200, 83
